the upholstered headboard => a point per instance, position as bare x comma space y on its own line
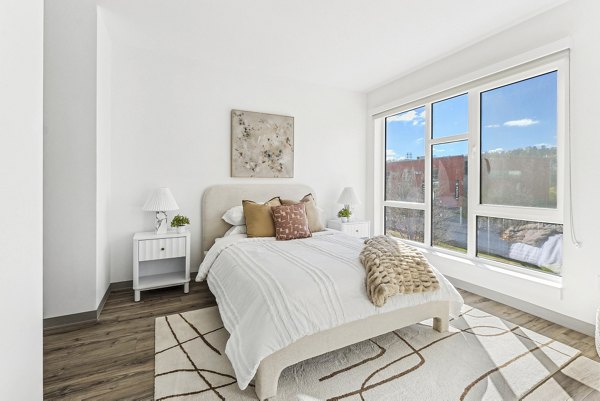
220, 198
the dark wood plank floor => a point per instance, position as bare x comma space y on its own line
113, 359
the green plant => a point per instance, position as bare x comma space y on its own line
179, 221
345, 212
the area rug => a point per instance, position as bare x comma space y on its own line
481, 357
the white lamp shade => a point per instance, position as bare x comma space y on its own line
348, 197
160, 200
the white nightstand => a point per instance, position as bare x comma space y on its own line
160, 260
356, 228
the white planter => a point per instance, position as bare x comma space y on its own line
181, 229
344, 219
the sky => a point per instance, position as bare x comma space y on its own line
518, 115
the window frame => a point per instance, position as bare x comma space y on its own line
558, 62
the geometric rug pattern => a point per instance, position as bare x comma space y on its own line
481, 357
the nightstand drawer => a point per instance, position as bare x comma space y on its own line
356, 230
162, 248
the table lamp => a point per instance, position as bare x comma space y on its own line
160, 201
348, 198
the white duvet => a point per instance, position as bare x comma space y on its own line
271, 293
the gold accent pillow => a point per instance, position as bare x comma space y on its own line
259, 220
312, 212
290, 222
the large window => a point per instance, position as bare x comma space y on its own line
518, 143
502, 136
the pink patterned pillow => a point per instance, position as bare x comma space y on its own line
290, 222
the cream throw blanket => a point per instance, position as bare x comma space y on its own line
394, 267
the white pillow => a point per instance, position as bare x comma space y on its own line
235, 216
322, 216
235, 230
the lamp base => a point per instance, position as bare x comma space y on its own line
161, 223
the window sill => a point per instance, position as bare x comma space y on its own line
513, 271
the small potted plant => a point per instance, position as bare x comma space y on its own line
180, 222
345, 214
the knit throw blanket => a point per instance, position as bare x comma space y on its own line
395, 268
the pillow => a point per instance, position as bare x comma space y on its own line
235, 216
312, 212
290, 222
235, 230
259, 221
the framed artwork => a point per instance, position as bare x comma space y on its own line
262, 145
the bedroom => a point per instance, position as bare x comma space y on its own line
113, 100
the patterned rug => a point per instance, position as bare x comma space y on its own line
482, 357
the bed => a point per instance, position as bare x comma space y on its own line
287, 301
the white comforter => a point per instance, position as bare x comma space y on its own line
271, 293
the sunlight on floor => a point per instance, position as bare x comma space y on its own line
583, 370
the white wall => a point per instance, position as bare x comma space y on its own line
578, 20
76, 254
103, 170
170, 126
21, 52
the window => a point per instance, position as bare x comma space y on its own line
449, 205
405, 156
522, 243
518, 143
502, 135
405, 223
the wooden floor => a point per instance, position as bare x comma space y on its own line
113, 359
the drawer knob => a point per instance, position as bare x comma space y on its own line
162, 249
356, 230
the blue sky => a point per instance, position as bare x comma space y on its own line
519, 115
515, 116
406, 134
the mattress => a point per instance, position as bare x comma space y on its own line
271, 293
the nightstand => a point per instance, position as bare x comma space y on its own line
160, 260
355, 228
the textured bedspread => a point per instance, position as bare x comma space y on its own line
271, 293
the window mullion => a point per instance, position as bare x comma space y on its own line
553, 216
405, 205
473, 172
449, 139
427, 178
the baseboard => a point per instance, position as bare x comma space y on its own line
554, 317
121, 285
75, 318
85, 317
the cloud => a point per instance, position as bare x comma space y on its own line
497, 150
493, 126
524, 122
544, 145
390, 155
409, 116
420, 140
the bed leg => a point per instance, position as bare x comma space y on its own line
266, 380
440, 324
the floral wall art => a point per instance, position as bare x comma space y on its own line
262, 145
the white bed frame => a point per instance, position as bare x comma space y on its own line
216, 201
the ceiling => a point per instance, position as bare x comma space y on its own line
350, 44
